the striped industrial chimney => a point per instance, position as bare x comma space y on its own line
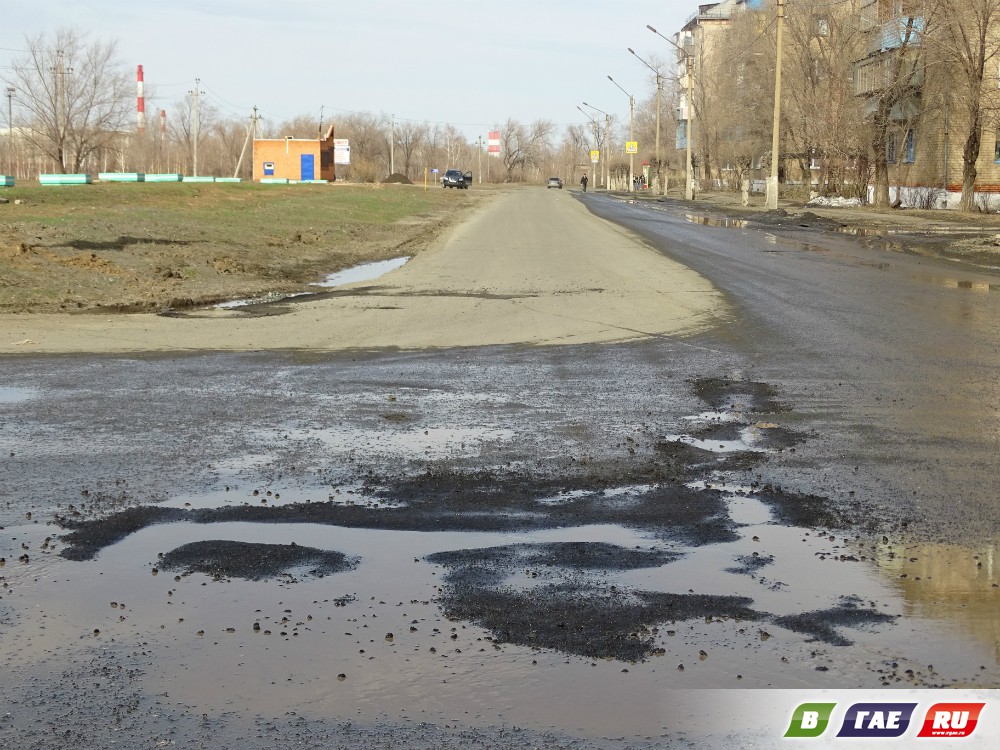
140, 103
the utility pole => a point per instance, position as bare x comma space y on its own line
631, 134
10, 130
659, 97
197, 92
251, 132
772, 181
689, 127
689, 68
62, 120
392, 147
479, 158
320, 118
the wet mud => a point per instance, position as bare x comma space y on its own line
254, 562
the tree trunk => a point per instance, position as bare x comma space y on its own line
970, 154
880, 166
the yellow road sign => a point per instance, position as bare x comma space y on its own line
595, 156
631, 147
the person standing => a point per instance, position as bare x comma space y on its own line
583, 183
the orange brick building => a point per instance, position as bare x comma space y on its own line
297, 159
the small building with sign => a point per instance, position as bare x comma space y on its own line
294, 159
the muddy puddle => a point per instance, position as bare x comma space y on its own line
362, 272
583, 623
449, 590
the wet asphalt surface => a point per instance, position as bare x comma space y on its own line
805, 496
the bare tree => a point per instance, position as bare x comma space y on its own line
410, 137
522, 147
182, 126
968, 30
890, 78
76, 93
369, 139
821, 113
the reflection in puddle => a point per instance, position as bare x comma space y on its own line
972, 286
748, 440
16, 395
314, 628
363, 272
716, 221
930, 575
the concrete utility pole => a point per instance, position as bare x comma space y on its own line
479, 158
689, 134
197, 92
631, 136
607, 144
392, 147
659, 96
320, 119
597, 145
772, 181
251, 133
10, 130
62, 119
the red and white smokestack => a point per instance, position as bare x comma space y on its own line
140, 103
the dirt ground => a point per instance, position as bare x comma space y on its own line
119, 248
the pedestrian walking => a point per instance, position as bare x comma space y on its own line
583, 183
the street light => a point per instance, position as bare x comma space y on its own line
593, 122
631, 137
607, 141
689, 74
659, 93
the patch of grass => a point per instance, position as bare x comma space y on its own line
62, 242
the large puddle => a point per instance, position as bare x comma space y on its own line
375, 641
571, 624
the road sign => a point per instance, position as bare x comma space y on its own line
595, 156
631, 147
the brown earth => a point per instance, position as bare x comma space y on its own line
124, 248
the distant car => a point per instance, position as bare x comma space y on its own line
554, 182
457, 179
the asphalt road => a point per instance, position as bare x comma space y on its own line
429, 548
894, 354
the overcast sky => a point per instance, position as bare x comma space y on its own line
470, 63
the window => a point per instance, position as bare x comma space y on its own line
910, 148
996, 148
890, 148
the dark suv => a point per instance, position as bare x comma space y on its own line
456, 179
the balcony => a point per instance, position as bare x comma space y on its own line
894, 33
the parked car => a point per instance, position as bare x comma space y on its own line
554, 182
457, 179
